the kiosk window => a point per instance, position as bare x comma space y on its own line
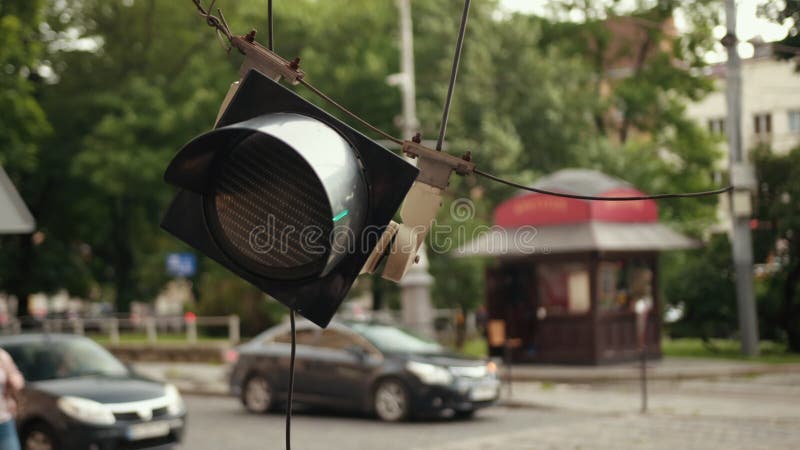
564, 288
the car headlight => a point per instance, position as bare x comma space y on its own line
429, 373
85, 410
175, 403
491, 368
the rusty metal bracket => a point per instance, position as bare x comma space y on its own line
435, 167
258, 57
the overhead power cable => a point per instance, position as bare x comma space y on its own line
604, 199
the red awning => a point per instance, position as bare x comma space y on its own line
532, 223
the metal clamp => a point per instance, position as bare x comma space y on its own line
435, 167
258, 57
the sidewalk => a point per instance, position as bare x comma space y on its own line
211, 379
671, 368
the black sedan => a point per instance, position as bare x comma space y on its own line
362, 367
80, 397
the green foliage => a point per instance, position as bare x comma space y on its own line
769, 351
129, 82
778, 238
704, 289
785, 12
223, 294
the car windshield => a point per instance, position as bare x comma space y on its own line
55, 357
395, 340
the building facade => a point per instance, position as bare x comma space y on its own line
770, 102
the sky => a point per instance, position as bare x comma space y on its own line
749, 24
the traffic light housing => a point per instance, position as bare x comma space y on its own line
286, 196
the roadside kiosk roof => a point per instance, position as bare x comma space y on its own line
532, 223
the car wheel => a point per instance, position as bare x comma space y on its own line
257, 395
39, 437
391, 401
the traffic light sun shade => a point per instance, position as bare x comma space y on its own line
286, 196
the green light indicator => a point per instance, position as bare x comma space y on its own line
341, 215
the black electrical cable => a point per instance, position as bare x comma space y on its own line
291, 385
349, 113
453, 73
606, 199
271, 33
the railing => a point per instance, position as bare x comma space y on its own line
111, 326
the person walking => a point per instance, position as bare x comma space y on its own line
11, 382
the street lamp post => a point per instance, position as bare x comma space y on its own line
743, 181
416, 285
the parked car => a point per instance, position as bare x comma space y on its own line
362, 367
78, 396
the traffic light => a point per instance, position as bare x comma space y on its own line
286, 196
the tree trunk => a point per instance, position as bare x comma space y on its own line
123, 255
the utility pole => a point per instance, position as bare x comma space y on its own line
743, 181
416, 285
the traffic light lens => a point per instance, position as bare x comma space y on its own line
269, 211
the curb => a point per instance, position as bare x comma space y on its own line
654, 375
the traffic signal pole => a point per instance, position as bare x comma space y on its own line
743, 181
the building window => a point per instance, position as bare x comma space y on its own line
762, 124
716, 126
794, 121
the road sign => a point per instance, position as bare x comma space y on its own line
181, 264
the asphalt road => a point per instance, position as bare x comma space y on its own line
219, 423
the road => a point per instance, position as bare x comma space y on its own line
219, 423
742, 413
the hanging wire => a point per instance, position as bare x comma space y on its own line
453, 73
353, 115
605, 199
270, 26
214, 21
291, 384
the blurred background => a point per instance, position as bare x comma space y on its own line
96, 96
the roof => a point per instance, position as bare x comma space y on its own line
591, 236
542, 210
15, 218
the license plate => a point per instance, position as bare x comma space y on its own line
483, 392
148, 430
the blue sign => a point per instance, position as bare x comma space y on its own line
181, 264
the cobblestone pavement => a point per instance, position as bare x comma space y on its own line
767, 397
634, 431
756, 412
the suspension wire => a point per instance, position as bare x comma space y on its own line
353, 115
606, 199
453, 73
271, 42
291, 384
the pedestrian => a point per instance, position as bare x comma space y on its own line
11, 382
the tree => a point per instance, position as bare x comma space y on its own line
141, 90
785, 12
702, 287
643, 73
778, 215
47, 262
